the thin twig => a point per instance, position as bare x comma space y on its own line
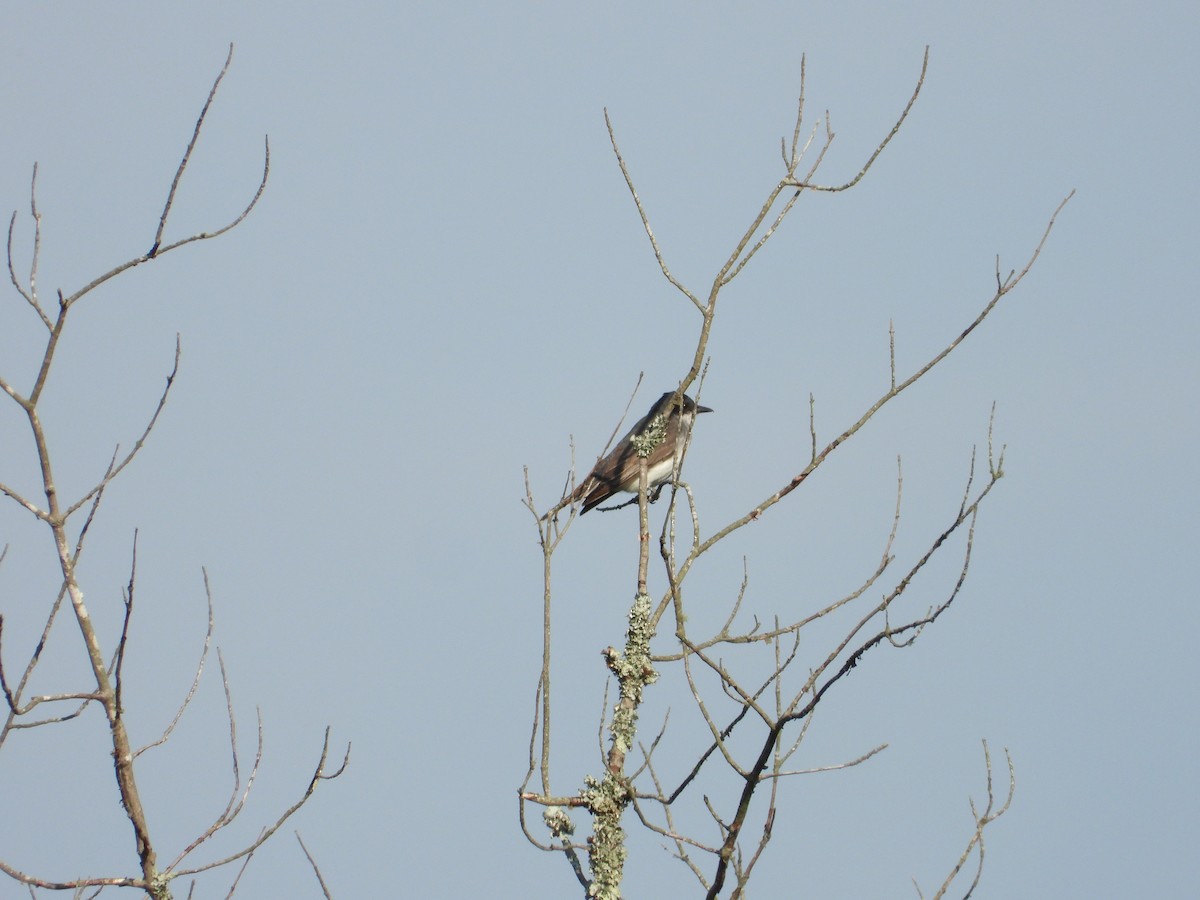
318, 776
316, 869
658, 255
187, 155
208, 633
114, 470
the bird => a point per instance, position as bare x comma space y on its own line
619, 470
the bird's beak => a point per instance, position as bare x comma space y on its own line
700, 409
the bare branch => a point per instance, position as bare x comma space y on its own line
30, 295
123, 641
73, 884
796, 712
114, 470
745, 708
755, 635
887, 140
208, 633
15, 707
209, 235
187, 154
989, 815
235, 803
13, 696
20, 500
728, 274
812, 423
662, 263
316, 869
892, 351
237, 878
157, 249
830, 768
888, 633
319, 775
887, 397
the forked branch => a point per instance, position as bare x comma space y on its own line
108, 672
982, 820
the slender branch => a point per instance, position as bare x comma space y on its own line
74, 884
114, 470
123, 641
798, 713
887, 140
319, 775
658, 255
834, 767
744, 256
48, 355
21, 501
187, 154
209, 235
157, 248
208, 633
1002, 290
17, 710
316, 869
982, 820
237, 795
30, 295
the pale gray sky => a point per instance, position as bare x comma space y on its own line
446, 279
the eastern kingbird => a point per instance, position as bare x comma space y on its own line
619, 471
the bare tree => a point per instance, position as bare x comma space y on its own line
755, 724
67, 521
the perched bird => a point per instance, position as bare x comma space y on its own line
619, 471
